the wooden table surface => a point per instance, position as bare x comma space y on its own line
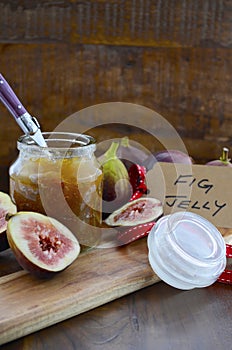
156, 317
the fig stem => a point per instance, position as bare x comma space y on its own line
125, 141
225, 153
111, 152
8, 216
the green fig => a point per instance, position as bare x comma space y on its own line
117, 189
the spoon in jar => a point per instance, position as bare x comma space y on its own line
27, 123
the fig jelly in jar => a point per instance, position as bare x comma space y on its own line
63, 180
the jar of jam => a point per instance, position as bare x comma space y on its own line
63, 180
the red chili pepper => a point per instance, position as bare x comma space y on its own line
226, 276
137, 176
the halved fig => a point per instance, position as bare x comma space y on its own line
6, 206
42, 245
136, 212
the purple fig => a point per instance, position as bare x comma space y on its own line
130, 154
223, 160
168, 156
173, 156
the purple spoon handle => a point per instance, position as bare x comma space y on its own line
28, 124
10, 100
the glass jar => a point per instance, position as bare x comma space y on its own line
63, 180
186, 250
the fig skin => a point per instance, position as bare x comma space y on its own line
146, 209
116, 184
27, 265
31, 250
6, 206
223, 160
173, 156
131, 155
168, 156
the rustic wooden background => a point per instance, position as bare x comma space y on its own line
173, 56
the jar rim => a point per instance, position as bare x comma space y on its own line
59, 143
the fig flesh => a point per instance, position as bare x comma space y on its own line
42, 245
223, 160
136, 212
6, 206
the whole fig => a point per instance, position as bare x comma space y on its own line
173, 156
116, 185
223, 160
168, 156
130, 154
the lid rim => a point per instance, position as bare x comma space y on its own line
212, 231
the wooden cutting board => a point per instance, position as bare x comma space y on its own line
95, 278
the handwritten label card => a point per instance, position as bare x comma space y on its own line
204, 190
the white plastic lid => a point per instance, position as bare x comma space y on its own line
186, 250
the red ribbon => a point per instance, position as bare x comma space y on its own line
135, 232
226, 276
